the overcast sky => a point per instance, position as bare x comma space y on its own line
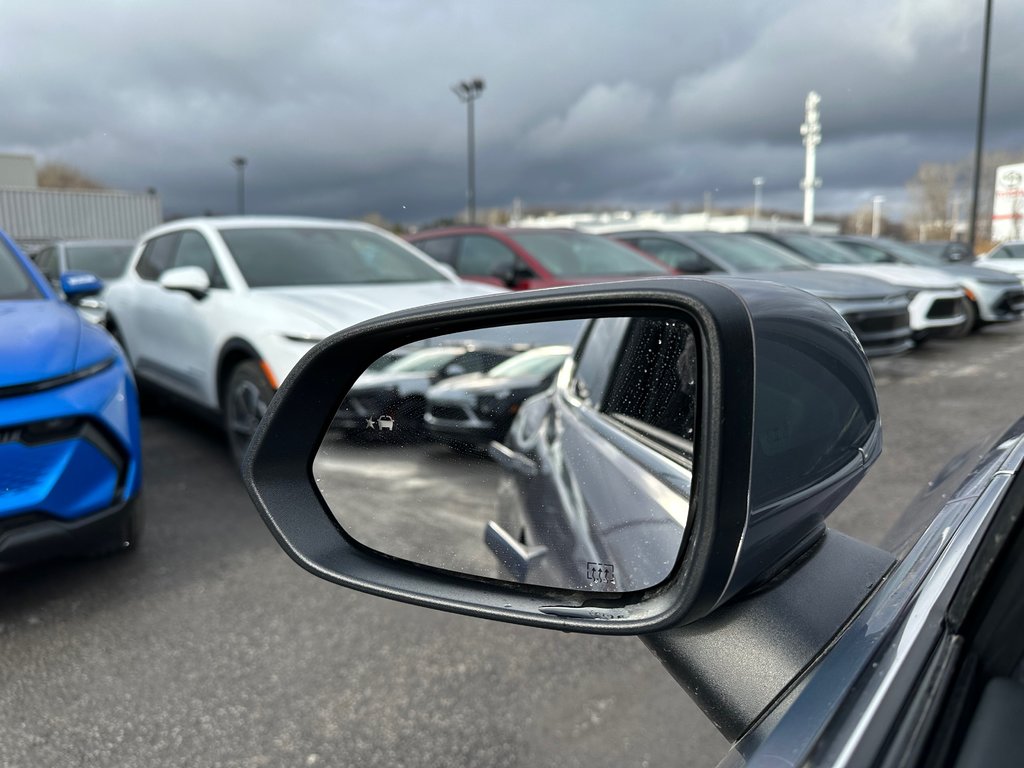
344, 108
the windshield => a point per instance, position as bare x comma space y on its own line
745, 254
424, 361
106, 261
15, 282
817, 250
294, 256
572, 254
1009, 252
536, 362
910, 255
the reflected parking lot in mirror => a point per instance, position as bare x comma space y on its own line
554, 454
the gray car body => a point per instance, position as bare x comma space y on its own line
999, 297
53, 261
876, 310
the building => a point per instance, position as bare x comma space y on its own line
34, 216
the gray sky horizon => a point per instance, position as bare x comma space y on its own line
345, 108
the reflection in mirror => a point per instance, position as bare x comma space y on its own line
553, 454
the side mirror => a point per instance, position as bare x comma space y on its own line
453, 369
191, 280
510, 276
687, 453
79, 285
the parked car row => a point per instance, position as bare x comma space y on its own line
891, 295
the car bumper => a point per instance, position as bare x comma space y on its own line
70, 452
473, 430
931, 309
883, 326
998, 303
33, 537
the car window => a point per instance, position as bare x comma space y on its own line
440, 248
481, 360
594, 362
482, 255
745, 254
47, 263
293, 256
817, 250
868, 252
654, 387
1008, 252
157, 257
195, 251
15, 282
674, 253
103, 260
574, 254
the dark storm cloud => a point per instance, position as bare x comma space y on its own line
343, 107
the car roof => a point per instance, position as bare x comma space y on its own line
469, 229
258, 222
109, 241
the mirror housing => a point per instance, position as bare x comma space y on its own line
191, 280
763, 485
78, 285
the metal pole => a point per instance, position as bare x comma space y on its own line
758, 183
811, 131
876, 215
979, 138
469, 91
471, 165
240, 163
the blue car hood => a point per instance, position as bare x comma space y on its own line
38, 340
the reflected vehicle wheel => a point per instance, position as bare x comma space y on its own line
245, 402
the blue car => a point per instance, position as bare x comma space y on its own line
70, 464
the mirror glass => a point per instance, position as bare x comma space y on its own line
554, 454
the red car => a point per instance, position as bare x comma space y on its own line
533, 258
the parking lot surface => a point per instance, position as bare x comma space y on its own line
208, 646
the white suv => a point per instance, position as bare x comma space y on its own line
218, 310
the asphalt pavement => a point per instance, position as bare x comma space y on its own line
210, 647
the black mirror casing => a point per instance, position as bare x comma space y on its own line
726, 314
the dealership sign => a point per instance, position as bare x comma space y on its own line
1008, 207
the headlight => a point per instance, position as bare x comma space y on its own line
56, 381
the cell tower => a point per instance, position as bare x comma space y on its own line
811, 131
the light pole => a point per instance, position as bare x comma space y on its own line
240, 163
876, 215
811, 131
979, 134
758, 183
468, 92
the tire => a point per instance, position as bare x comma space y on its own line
970, 323
246, 397
132, 523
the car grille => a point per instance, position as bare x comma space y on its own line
880, 323
1010, 303
942, 308
448, 412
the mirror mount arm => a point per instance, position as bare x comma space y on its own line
740, 660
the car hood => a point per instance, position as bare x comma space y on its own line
38, 340
984, 274
331, 308
921, 278
835, 285
475, 384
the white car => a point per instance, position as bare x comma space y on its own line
218, 310
1008, 257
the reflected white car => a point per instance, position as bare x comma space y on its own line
217, 311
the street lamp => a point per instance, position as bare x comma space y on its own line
758, 183
468, 92
240, 163
876, 215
